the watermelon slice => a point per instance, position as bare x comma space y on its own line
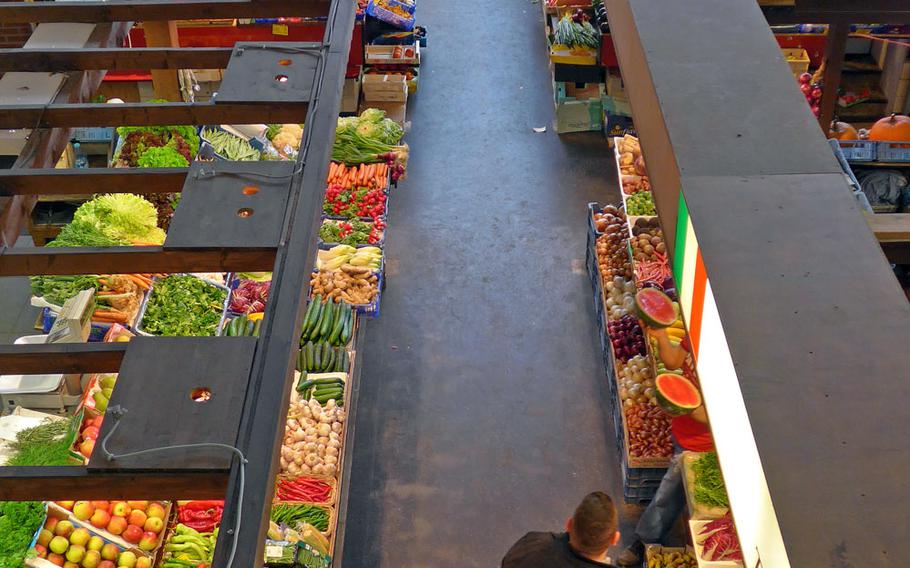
676, 394
655, 308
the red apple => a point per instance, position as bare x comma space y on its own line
51, 523
154, 524
816, 93
90, 433
806, 88
80, 537
64, 528
143, 505
132, 534
87, 447
137, 517
110, 552
805, 78
107, 564
149, 541
156, 510
92, 559
121, 509
100, 518
117, 525
41, 550
68, 505
56, 559
103, 505
83, 510
44, 537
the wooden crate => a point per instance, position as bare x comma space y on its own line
385, 88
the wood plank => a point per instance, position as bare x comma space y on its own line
148, 10
164, 81
35, 261
62, 358
890, 227
113, 59
42, 181
147, 114
76, 482
835, 48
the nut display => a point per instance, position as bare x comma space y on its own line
649, 431
647, 240
612, 247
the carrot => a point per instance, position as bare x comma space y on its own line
139, 281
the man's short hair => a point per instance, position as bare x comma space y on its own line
595, 522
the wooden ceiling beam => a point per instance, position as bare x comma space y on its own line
114, 59
142, 181
62, 358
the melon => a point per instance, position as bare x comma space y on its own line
655, 308
676, 394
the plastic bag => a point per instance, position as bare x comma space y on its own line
883, 188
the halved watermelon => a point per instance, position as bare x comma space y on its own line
655, 308
676, 394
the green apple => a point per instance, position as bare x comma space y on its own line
58, 545
100, 401
108, 381
75, 554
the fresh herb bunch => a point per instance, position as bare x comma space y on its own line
183, 305
58, 289
709, 485
45, 444
18, 522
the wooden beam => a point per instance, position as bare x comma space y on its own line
164, 81
835, 48
36, 261
62, 358
112, 59
890, 227
61, 483
42, 181
147, 114
149, 10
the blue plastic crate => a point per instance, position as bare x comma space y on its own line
638, 495
94, 134
892, 152
370, 310
390, 17
858, 150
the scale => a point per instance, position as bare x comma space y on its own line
54, 391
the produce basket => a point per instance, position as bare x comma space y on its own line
370, 310
382, 217
377, 10
797, 58
333, 494
893, 152
207, 149
380, 243
655, 551
696, 510
695, 527
858, 150
138, 328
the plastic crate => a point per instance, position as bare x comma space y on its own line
94, 134
370, 310
858, 150
638, 495
389, 17
893, 152
797, 58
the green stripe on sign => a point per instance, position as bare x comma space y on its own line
679, 252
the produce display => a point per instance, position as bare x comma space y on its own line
356, 285
183, 305
322, 357
717, 540
676, 395
189, 548
352, 232
19, 520
655, 308
633, 173
627, 337
285, 139
230, 147
304, 489
812, 91
670, 559
46, 444
619, 297
329, 322
641, 203
357, 202
370, 176
62, 541
139, 523
293, 515
340, 255
183, 141
649, 431
709, 485
117, 296
312, 439
575, 30
648, 242
369, 139
323, 389
636, 382
249, 297
612, 251
201, 516
88, 433
242, 326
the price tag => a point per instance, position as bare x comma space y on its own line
279, 29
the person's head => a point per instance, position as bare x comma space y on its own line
592, 529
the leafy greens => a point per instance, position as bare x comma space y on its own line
183, 305
709, 485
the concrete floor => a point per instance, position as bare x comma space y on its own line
483, 410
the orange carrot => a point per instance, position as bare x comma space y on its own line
139, 281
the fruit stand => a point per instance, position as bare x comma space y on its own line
202, 274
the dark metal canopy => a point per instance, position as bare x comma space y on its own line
815, 323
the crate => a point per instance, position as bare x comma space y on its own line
385, 54
695, 527
380, 13
696, 511
653, 550
224, 309
579, 116
858, 150
94, 134
797, 58
638, 495
893, 151
385, 88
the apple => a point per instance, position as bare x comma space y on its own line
137, 517
92, 559
103, 505
95, 543
107, 564
154, 524
64, 528
83, 510
127, 559
100, 519
56, 559
110, 552
68, 505
87, 447
100, 401
91, 433
97, 421
41, 550
59, 545
44, 537
117, 525
156, 510
121, 509
132, 534
143, 562
149, 541
75, 554
51, 523
80, 537
143, 505
805, 78
69, 564
108, 381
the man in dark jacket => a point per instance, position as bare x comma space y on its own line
590, 532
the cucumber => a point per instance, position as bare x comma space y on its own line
249, 328
325, 356
303, 383
326, 326
338, 355
256, 328
339, 325
310, 310
314, 330
301, 360
330, 360
345, 363
319, 391
311, 356
329, 380
348, 327
317, 362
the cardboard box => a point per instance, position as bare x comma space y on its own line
565, 92
393, 110
350, 97
578, 116
618, 107
385, 88
577, 73
616, 88
573, 55
385, 54
615, 125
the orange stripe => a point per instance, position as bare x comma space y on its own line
698, 303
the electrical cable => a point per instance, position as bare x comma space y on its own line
117, 413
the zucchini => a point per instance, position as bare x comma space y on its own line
330, 363
303, 384
256, 328
301, 361
348, 327
321, 390
310, 311
345, 362
310, 356
338, 352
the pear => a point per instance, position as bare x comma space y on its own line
108, 381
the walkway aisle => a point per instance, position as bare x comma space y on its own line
483, 411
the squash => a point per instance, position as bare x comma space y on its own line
842, 131
894, 128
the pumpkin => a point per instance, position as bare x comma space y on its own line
894, 128
842, 131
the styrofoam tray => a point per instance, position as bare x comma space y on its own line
30, 384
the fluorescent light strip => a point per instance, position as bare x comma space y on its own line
747, 488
